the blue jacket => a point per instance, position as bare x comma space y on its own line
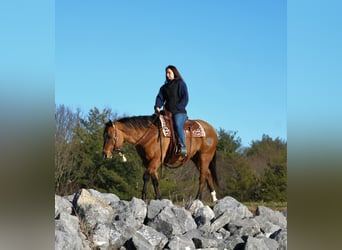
174, 96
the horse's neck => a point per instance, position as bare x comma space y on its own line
131, 135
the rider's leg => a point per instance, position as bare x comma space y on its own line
179, 120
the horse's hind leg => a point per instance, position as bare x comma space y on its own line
202, 165
211, 186
146, 178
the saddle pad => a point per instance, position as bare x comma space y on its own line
192, 126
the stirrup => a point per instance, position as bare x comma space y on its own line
181, 150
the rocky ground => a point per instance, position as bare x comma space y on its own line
89, 219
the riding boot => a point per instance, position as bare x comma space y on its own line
183, 151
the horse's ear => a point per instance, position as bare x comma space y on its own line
109, 123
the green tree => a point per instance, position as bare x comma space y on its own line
274, 183
269, 158
242, 183
228, 142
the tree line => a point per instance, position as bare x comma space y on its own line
254, 173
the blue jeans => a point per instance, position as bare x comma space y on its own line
179, 120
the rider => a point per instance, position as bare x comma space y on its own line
173, 95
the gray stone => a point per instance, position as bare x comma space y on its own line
262, 243
266, 226
91, 210
204, 215
193, 206
147, 238
204, 239
128, 217
173, 221
67, 232
220, 221
281, 238
181, 242
155, 206
132, 213
272, 216
105, 222
101, 235
284, 212
225, 234
120, 234
234, 242
106, 198
231, 206
62, 205
245, 227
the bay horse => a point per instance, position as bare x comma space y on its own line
145, 133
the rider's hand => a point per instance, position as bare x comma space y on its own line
157, 110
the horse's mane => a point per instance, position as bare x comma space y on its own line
138, 122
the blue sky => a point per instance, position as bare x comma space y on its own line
231, 54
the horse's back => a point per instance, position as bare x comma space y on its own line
207, 126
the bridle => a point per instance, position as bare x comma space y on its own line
115, 137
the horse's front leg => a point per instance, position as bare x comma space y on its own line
146, 178
155, 183
202, 180
151, 173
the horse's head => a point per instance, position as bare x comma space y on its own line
112, 140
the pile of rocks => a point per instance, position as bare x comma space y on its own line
93, 220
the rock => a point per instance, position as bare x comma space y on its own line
93, 220
204, 239
155, 206
105, 198
181, 242
148, 238
91, 210
275, 217
101, 235
284, 212
203, 216
234, 242
232, 207
128, 218
266, 226
62, 205
281, 237
245, 227
220, 221
68, 234
173, 221
262, 243
193, 206
132, 213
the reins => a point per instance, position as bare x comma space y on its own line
145, 133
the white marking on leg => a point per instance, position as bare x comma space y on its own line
213, 195
123, 157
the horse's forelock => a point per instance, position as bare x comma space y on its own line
108, 124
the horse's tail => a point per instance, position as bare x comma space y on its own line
212, 167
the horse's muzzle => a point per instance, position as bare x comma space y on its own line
107, 155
